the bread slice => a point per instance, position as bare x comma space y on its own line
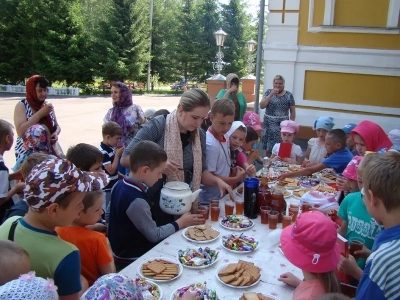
289, 180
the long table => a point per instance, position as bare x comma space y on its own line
268, 257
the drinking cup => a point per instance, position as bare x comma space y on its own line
264, 210
214, 202
273, 219
229, 205
204, 210
286, 219
355, 245
215, 211
239, 206
295, 212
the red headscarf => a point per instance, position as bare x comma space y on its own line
374, 136
36, 104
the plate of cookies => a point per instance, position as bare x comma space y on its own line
201, 289
257, 296
150, 290
160, 269
236, 223
239, 243
298, 193
201, 234
197, 258
324, 189
240, 275
289, 183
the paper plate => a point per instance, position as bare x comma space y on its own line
147, 295
199, 267
232, 286
198, 242
238, 252
236, 229
139, 270
174, 295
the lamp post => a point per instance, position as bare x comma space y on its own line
251, 46
220, 37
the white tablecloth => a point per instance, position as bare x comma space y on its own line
267, 257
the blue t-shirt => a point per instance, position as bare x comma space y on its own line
381, 276
360, 224
338, 160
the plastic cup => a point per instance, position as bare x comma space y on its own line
229, 205
305, 207
215, 211
295, 212
239, 206
214, 202
355, 245
286, 219
204, 210
273, 219
264, 214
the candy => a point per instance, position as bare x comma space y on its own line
199, 289
197, 258
236, 222
240, 243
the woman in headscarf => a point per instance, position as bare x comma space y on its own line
34, 109
232, 93
278, 103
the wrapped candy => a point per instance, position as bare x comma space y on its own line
240, 243
197, 257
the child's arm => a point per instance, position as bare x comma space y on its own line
304, 172
289, 279
343, 229
349, 266
250, 170
18, 188
307, 154
240, 174
112, 168
106, 261
67, 277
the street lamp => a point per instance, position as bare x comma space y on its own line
251, 46
220, 37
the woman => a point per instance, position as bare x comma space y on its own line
126, 114
179, 134
35, 110
231, 92
277, 103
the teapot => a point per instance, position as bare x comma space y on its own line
177, 198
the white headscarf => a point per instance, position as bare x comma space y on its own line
235, 126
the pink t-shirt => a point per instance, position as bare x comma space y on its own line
241, 159
308, 290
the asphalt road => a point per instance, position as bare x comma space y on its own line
80, 118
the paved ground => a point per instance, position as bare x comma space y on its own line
80, 118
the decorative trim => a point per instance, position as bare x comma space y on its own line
329, 12
393, 13
347, 111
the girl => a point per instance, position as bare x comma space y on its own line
288, 130
248, 146
310, 244
316, 151
237, 137
369, 136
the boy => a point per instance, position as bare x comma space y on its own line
132, 230
86, 157
6, 194
339, 156
112, 133
96, 256
349, 139
14, 261
381, 195
217, 147
21, 207
54, 192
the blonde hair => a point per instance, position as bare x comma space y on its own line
330, 281
223, 106
381, 175
279, 77
194, 98
31, 161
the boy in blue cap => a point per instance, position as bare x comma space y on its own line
349, 140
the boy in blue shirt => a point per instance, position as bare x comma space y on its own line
339, 156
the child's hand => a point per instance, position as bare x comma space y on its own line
119, 151
19, 187
97, 227
283, 176
349, 266
251, 170
190, 296
189, 219
252, 156
342, 184
276, 158
240, 173
363, 253
289, 279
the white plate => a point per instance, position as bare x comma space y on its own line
200, 267
139, 270
290, 194
237, 229
237, 191
175, 291
232, 286
157, 286
198, 242
238, 252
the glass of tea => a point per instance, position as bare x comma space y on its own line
205, 211
214, 202
239, 204
229, 205
286, 219
273, 219
355, 244
264, 214
295, 211
215, 211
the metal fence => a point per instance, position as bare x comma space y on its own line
64, 91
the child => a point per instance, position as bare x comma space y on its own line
28, 286
35, 139
349, 140
252, 119
54, 192
6, 193
132, 230
14, 261
316, 257
339, 156
394, 137
112, 133
86, 157
369, 136
237, 136
289, 129
248, 146
218, 152
316, 151
381, 190
21, 207
356, 221
96, 256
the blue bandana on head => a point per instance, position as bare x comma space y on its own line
324, 123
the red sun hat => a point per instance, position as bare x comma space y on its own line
310, 243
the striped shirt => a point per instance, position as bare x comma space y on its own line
108, 158
381, 276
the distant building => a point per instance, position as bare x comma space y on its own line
339, 57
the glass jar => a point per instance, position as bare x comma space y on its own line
278, 202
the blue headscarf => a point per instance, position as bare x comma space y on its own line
324, 123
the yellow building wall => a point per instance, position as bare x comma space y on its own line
347, 88
349, 40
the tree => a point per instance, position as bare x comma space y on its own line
236, 23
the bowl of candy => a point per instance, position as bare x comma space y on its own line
200, 258
239, 243
200, 289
